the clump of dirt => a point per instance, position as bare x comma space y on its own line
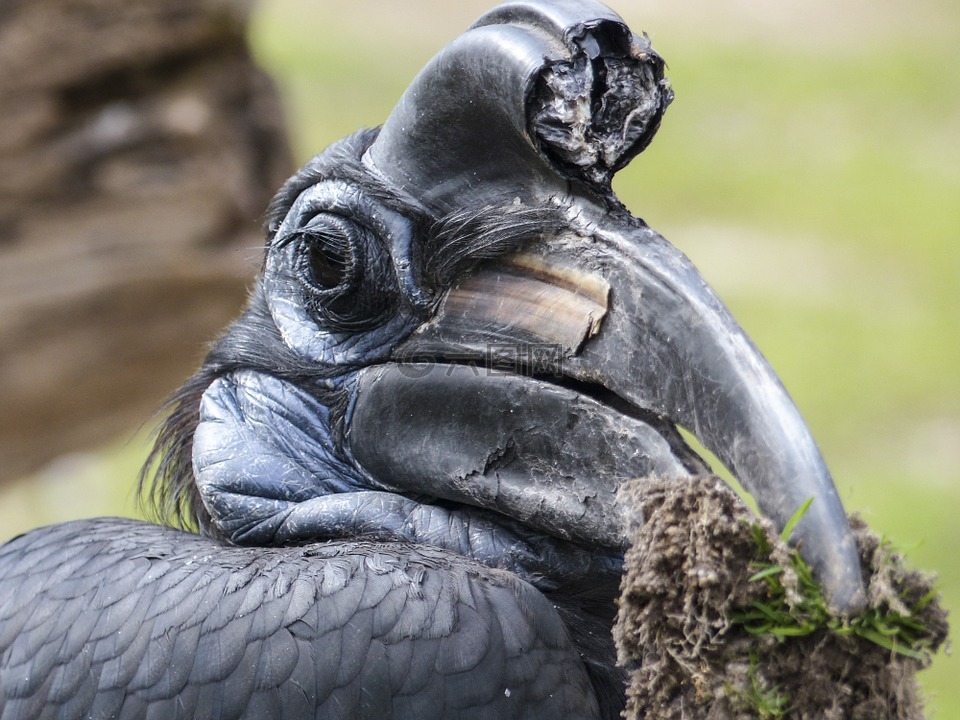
690, 593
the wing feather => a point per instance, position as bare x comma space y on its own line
118, 618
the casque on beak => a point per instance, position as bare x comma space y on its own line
538, 105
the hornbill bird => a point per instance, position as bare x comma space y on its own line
404, 457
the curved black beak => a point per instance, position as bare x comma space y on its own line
538, 105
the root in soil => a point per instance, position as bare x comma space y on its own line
720, 619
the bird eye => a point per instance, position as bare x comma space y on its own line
328, 267
342, 272
329, 275
326, 260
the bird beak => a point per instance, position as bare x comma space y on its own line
603, 320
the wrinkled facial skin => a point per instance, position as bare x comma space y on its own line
462, 338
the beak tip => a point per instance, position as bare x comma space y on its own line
847, 600
845, 591
831, 549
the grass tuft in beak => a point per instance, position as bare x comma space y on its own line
719, 617
794, 604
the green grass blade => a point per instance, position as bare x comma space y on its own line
890, 644
766, 572
795, 518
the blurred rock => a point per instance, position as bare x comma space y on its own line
139, 147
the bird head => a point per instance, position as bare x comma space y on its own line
458, 324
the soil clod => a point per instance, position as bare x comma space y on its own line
719, 618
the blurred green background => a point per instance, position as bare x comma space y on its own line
810, 167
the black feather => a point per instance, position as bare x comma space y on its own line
227, 632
